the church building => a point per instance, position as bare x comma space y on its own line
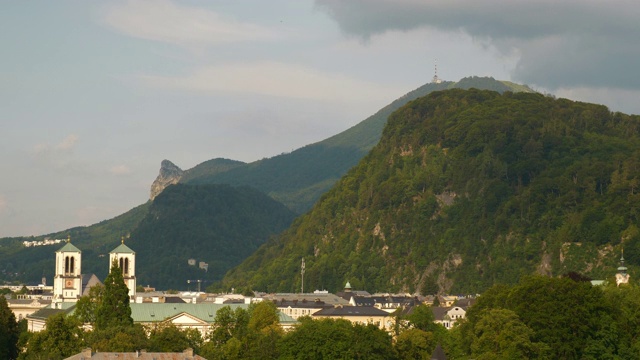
69, 284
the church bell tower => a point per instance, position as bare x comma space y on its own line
126, 259
67, 283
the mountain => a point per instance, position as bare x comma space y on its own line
215, 224
30, 264
299, 178
467, 189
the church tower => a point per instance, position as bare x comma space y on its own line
126, 259
67, 283
622, 277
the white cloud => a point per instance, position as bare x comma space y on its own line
120, 170
277, 79
169, 22
3, 204
46, 149
67, 143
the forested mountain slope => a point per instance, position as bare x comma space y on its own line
299, 178
216, 224
30, 264
466, 189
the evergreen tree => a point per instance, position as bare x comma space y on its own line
9, 332
114, 309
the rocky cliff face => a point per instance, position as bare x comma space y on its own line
169, 174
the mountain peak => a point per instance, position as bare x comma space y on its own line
169, 174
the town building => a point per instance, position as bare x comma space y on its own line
359, 315
87, 354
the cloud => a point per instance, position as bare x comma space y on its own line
277, 79
587, 43
169, 22
120, 170
67, 143
3, 204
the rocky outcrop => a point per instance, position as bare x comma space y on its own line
169, 174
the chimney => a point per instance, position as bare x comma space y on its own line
86, 353
188, 352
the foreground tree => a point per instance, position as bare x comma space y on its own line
9, 331
114, 309
107, 308
87, 305
169, 338
500, 334
62, 337
245, 334
336, 339
118, 339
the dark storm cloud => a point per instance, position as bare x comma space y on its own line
564, 43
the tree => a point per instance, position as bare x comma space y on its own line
500, 334
9, 331
421, 318
169, 338
87, 305
414, 344
62, 337
336, 339
114, 309
118, 339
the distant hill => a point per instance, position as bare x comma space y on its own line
467, 189
299, 178
30, 264
216, 224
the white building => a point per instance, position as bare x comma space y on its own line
126, 259
67, 282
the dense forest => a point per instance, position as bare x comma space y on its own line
216, 224
29, 264
467, 189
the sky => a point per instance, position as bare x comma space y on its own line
95, 94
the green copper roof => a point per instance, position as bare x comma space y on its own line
69, 247
158, 312
122, 249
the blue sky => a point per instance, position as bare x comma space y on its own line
95, 94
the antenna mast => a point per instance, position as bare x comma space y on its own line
302, 273
436, 79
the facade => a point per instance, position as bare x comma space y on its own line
23, 307
67, 282
87, 354
449, 315
359, 315
296, 309
126, 260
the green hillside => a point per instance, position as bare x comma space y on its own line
299, 178
30, 264
467, 189
217, 224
